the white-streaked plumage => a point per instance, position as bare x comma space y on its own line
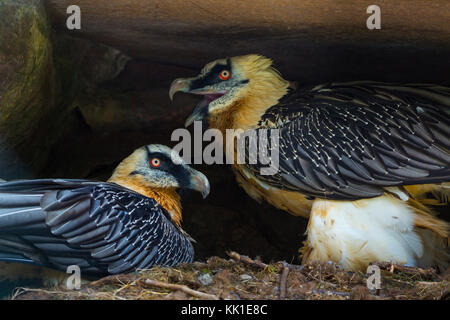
360, 158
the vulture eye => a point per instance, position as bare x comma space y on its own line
225, 75
155, 162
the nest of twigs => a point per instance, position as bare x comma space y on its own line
243, 278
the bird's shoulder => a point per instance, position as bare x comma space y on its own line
106, 197
349, 140
355, 102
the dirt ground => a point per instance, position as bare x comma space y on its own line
241, 277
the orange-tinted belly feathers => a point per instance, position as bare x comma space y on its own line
293, 202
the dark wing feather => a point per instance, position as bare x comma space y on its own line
349, 140
101, 227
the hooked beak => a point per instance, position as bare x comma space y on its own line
177, 85
183, 85
198, 114
199, 182
201, 110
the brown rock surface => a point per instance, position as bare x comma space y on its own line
27, 87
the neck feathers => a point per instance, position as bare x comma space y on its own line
265, 88
168, 198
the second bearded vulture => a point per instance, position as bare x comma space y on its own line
360, 159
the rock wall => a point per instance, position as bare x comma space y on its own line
41, 73
310, 40
28, 89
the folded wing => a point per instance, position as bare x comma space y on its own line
101, 227
349, 140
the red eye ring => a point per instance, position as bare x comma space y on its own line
155, 162
225, 75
